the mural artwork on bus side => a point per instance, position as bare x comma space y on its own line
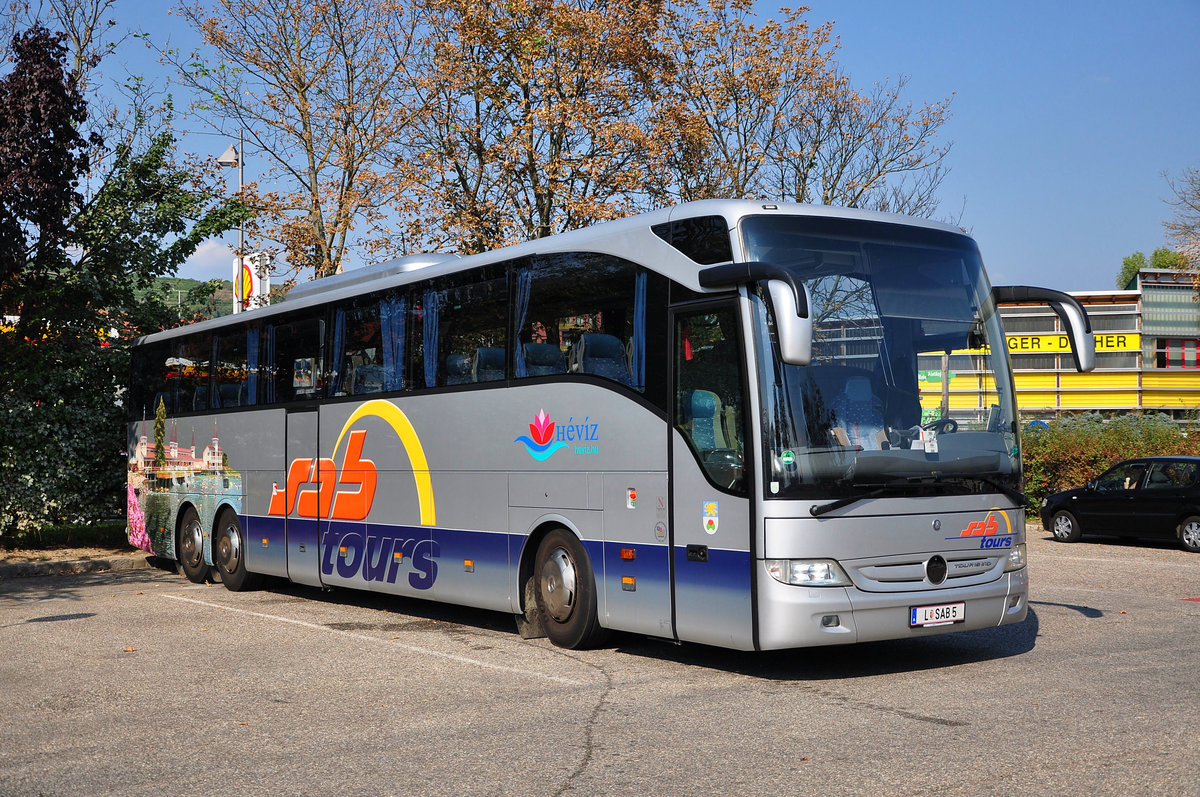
160, 478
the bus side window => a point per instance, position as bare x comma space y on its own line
232, 370
709, 405
460, 330
192, 369
295, 350
151, 383
358, 352
583, 313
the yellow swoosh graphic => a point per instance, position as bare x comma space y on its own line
396, 418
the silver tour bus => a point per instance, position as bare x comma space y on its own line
704, 423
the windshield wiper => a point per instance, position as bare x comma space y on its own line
1016, 495
816, 510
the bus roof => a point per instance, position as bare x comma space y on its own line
630, 237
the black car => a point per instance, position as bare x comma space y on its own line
1146, 497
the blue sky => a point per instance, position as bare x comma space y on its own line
1065, 116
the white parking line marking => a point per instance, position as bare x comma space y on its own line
390, 642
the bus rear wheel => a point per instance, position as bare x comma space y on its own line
229, 554
189, 546
566, 592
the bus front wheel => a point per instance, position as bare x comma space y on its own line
190, 547
229, 554
566, 592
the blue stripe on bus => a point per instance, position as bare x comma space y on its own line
724, 577
433, 555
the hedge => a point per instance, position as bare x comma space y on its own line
1066, 453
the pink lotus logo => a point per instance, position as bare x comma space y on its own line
540, 443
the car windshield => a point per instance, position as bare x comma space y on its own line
909, 386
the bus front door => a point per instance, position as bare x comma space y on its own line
303, 554
711, 517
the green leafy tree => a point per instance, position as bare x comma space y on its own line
160, 433
72, 263
1162, 258
1130, 266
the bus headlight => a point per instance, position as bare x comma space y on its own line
1016, 558
808, 572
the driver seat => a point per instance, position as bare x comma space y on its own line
859, 412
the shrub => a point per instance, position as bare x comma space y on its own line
1067, 453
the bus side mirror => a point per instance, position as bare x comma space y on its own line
1069, 310
789, 298
794, 331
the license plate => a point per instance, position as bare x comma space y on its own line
942, 614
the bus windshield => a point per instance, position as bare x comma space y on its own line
902, 317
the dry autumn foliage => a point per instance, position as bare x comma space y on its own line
1184, 228
417, 125
762, 110
530, 119
735, 87
313, 83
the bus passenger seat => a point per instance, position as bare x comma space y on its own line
368, 379
859, 412
704, 408
458, 369
488, 365
230, 394
603, 355
544, 359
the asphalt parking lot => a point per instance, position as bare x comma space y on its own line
142, 683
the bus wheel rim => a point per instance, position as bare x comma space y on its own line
558, 584
192, 543
230, 549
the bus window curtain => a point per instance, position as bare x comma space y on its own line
214, 370
252, 365
637, 360
431, 338
391, 326
269, 364
339, 352
524, 288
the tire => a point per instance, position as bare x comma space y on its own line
1065, 527
1189, 534
189, 547
229, 554
566, 592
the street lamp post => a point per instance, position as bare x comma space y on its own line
233, 157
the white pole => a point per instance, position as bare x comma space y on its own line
241, 162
